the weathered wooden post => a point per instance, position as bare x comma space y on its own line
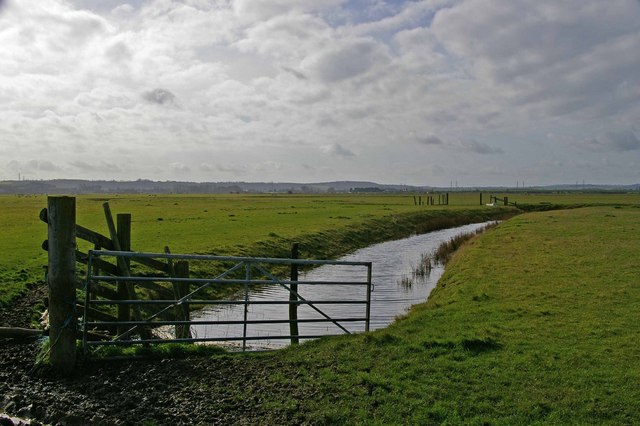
293, 298
481, 198
61, 219
123, 230
181, 269
180, 289
506, 200
123, 269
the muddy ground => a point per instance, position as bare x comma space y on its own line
225, 389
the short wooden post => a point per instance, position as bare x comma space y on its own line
506, 201
181, 269
293, 298
415, 202
481, 198
447, 199
61, 217
123, 269
123, 225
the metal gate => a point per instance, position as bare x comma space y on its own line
246, 274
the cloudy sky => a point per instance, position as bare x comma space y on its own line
482, 92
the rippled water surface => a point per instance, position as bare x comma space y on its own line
392, 261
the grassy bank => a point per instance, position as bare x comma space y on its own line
533, 322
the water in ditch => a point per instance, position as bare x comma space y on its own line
396, 289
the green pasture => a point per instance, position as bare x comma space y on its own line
213, 224
236, 224
534, 322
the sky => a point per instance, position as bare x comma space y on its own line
478, 92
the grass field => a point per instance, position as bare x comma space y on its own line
236, 224
533, 322
215, 224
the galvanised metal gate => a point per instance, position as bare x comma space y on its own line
246, 273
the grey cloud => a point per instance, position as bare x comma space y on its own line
102, 166
295, 73
159, 96
430, 140
118, 52
338, 150
347, 60
479, 147
180, 168
263, 10
621, 141
557, 57
33, 166
224, 168
360, 112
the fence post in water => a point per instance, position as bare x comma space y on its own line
61, 218
247, 277
123, 225
293, 298
369, 290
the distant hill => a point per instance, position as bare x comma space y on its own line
143, 186
77, 186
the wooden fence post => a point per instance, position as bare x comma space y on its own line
61, 218
481, 198
181, 269
123, 270
293, 307
123, 225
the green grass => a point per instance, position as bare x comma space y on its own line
258, 225
534, 322
325, 225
